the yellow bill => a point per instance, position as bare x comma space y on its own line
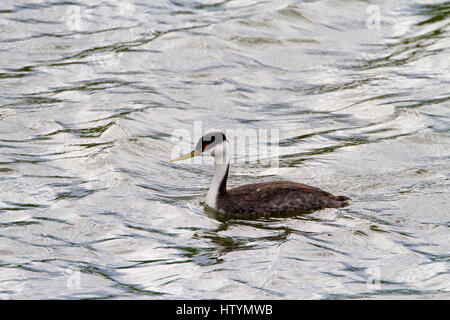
187, 156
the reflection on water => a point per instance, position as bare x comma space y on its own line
92, 93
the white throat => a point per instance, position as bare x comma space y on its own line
221, 162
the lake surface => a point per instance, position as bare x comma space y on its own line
94, 96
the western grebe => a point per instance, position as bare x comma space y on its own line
273, 198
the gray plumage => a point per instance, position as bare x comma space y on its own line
275, 198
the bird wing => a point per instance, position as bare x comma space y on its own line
278, 197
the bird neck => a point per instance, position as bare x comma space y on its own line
219, 181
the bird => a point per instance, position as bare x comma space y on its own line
272, 198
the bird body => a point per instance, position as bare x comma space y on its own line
273, 198
276, 198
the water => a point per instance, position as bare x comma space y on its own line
93, 92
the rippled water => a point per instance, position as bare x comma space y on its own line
91, 93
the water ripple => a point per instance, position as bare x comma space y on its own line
92, 95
